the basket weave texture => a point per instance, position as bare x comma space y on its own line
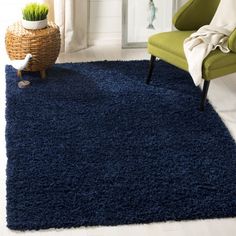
43, 44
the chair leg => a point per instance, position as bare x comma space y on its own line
150, 70
204, 94
43, 74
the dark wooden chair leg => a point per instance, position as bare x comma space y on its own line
43, 74
204, 94
151, 66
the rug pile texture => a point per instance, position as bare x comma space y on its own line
94, 145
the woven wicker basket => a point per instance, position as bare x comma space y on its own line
44, 45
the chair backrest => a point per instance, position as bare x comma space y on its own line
195, 13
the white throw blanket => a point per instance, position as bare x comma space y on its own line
209, 37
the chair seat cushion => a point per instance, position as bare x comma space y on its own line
168, 46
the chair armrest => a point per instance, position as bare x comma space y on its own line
194, 14
232, 41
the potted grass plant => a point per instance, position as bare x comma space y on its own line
35, 16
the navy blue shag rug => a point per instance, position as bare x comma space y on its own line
94, 145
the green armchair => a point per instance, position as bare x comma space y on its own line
168, 46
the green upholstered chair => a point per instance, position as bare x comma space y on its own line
168, 46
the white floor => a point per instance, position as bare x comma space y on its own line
222, 95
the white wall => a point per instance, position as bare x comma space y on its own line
105, 21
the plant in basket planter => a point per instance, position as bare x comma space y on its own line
35, 16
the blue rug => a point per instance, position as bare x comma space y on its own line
94, 145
